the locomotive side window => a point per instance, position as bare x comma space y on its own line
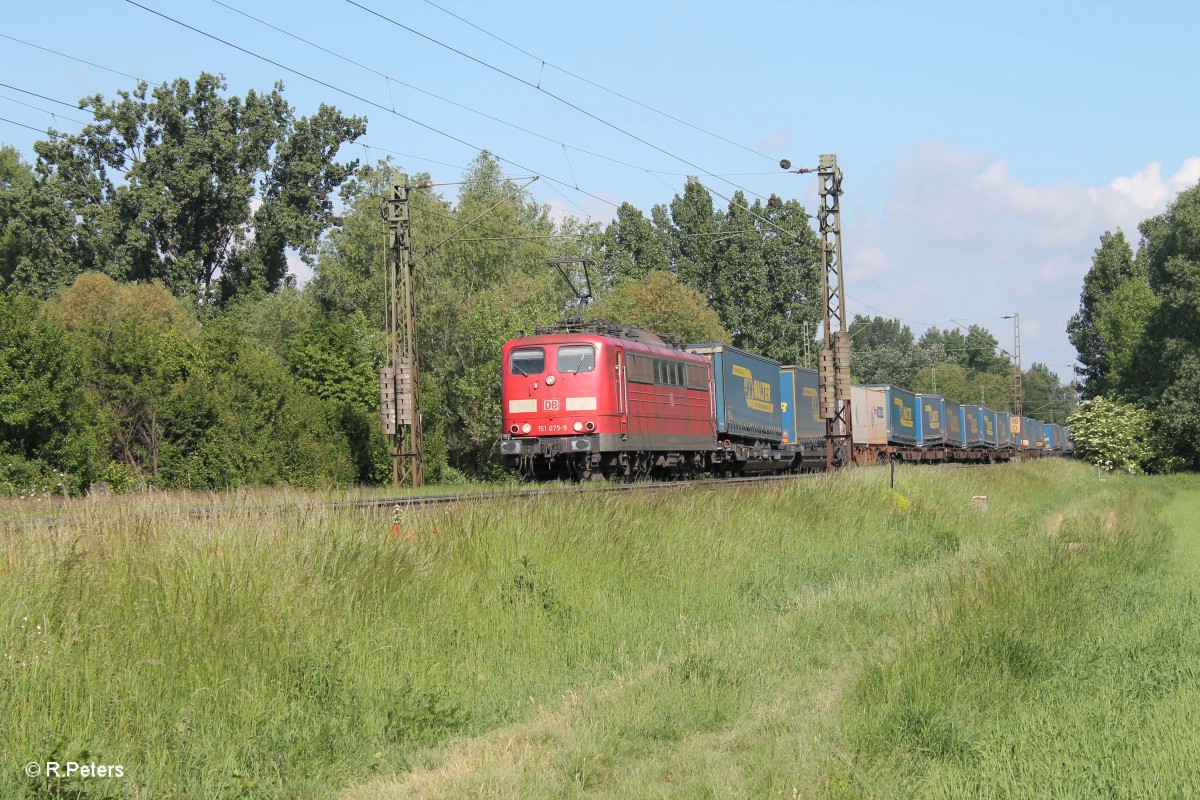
641, 369
527, 361
668, 373
576, 358
697, 377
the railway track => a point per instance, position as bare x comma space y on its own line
415, 502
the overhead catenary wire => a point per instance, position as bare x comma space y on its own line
550, 94
53, 114
23, 125
600, 86
464, 107
361, 99
366, 145
73, 58
75, 106
46, 132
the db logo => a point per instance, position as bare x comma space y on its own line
550, 405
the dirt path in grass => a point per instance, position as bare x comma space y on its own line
1183, 514
536, 757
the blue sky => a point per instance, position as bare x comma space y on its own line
985, 147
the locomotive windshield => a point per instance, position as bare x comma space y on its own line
576, 358
527, 361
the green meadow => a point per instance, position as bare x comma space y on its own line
818, 637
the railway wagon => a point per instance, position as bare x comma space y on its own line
749, 418
931, 412
1053, 437
989, 427
902, 416
602, 402
1006, 437
974, 427
955, 432
868, 409
800, 406
1031, 433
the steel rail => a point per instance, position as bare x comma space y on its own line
414, 502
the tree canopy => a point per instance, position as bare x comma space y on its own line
1138, 328
183, 184
756, 265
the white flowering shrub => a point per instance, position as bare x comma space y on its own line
1113, 435
27, 479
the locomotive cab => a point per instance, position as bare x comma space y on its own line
557, 389
561, 395
596, 403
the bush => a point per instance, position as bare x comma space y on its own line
1112, 435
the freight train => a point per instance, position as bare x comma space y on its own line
598, 400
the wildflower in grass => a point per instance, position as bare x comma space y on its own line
902, 503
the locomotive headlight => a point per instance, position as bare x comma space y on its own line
549, 380
591, 426
526, 428
578, 426
515, 427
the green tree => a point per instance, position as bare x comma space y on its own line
349, 277
948, 379
884, 351
982, 352
661, 304
1165, 372
138, 344
632, 246
1112, 265
242, 418
39, 250
201, 191
1121, 320
48, 417
1044, 397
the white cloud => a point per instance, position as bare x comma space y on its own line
863, 262
775, 141
985, 241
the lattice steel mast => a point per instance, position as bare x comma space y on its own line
399, 404
833, 363
1018, 390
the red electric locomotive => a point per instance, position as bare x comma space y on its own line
598, 400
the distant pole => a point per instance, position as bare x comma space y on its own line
1018, 390
400, 409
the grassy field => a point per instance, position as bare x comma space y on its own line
810, 639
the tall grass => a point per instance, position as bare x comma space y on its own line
732, 641
1068, 668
